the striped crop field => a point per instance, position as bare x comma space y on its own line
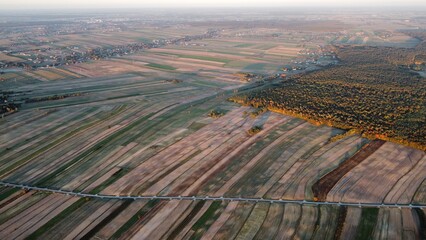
92, 139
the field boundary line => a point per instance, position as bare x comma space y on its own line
212, 198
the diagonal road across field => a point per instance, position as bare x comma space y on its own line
210, 198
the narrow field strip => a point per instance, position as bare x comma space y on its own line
326, 183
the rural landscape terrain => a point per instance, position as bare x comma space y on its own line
226, 124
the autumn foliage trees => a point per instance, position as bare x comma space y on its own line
372, 90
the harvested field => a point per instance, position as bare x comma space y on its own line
139, 125
8, 58
73, 217
326, 183
386, 166
169, 163
284, 51
49, 75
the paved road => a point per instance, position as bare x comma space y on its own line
209, 198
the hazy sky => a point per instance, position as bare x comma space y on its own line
200, 3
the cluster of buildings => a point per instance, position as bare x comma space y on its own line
311, 59
71, 55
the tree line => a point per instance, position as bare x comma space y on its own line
372, 91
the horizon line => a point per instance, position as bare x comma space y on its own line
277, 7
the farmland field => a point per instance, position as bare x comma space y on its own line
146, 144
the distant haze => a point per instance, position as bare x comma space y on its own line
40, 4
